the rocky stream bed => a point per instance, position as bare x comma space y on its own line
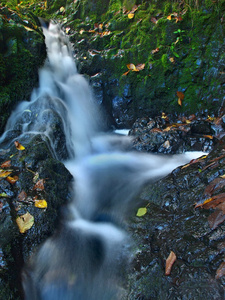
178, 219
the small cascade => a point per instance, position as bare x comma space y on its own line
85, 257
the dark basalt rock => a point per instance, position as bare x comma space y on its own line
163, 136
173, 224
36, 161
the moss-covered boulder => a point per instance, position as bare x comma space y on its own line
173, 46
22, 53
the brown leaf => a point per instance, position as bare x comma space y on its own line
216, 218
39, 186
25, 222
178, 19
169, 263
6, 164
221, 206
140, 67
220, 271
216, 184
22, 196
154, 20
12, 179
155, 50
180, 95
212, 202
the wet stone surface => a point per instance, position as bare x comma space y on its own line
172, 223
168, 135
30, 165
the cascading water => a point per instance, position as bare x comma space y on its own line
82, 260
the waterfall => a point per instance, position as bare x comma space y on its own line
85, 258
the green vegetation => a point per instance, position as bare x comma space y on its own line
180, 43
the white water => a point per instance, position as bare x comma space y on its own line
81, 260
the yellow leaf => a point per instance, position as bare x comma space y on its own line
4, 173
25, 222
132, 67
141, 211
169, 17
124, 74
19, 146
40, 203
130, 16
179, 101
61, 9
222, 176
172, 59
28, 28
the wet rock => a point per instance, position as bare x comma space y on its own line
162, 136
172, 223
34, 163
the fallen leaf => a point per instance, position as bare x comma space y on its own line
12, 179
216, 218
130, 15
169, 263
172, 59
124, 74
4, 195
141, 211
4, 173
25, 222
40, 203
221, 206
208, 136
155, 50
220, 271
212, 202
180, 95
22, 196
6, 164
39, 186
140, 67
179, 101
166, 144
178, 19
154, 20
19, 146
36, 177
169, 17
132, 67
61, 9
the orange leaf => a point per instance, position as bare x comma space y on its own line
19, 146
169, 17
6, 164
39, 186
178, 19
13, 179
220, 271
169, 263
180, 95
124, 74
208, 136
